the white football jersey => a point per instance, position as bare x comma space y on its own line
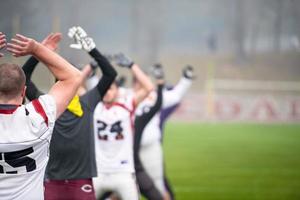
113, 130
24, 141
152, 132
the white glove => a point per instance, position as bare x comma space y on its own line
81, 39
72, 34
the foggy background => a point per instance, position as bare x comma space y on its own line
240, 48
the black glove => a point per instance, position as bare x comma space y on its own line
158, 72
123, 61
188, 72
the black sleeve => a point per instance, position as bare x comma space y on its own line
140, 122
109, 74
32, 91
145, 183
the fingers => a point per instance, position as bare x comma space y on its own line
57, 37
47, 38
76, 46
15, 52
15, 49
2, 41
72, 32
19, 45
15, 46
18, 42
22, 38
81, 32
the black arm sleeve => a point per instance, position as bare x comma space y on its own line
109, 73
92, 97
32, 91
146, 184
141, 121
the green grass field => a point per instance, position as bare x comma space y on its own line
233, 161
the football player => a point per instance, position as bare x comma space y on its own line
26, 130
72, 153
114, 129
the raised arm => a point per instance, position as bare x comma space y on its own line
141, 77
174, 96
108, 72
51, 42
142, 120
69, 77
2, 42
32, 92
146, 117
82, 41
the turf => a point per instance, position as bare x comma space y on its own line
233, 161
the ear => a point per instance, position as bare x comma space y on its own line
23, 91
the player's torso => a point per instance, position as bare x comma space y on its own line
24, 143
113, 129
151, 132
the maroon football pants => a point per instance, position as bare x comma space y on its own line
81, 189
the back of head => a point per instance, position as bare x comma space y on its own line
12, 81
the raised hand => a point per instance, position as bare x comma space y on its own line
188, 72
82, 41
72, 34
157, 71
81, 33
21, 46
2, 42
123, 61
52, 40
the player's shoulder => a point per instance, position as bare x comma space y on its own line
44, 106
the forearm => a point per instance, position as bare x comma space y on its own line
60, 68
158, 103
142, 78
174, 96
108, 72
29, 67
106, 68
32, 92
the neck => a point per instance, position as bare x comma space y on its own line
11, 102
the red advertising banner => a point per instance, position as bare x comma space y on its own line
198, 107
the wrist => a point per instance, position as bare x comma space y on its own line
132, 65
160, 81
35, 47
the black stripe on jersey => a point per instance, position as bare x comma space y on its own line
19, 159
11, 172
18, 154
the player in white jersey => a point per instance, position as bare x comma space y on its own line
26, 129
151, 152
113, 125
